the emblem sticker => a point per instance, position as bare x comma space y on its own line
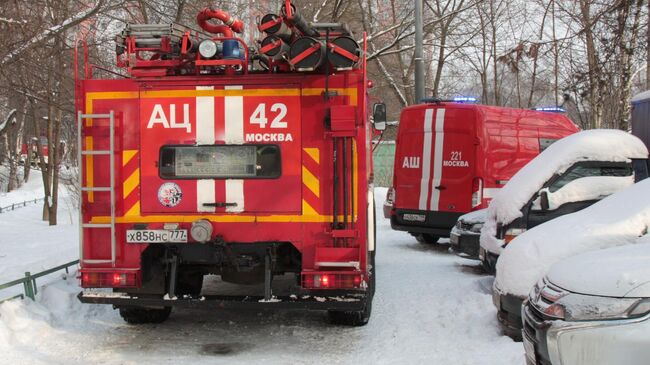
170, 194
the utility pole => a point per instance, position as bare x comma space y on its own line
419, 63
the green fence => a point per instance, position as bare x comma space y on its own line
383, 158
29, 281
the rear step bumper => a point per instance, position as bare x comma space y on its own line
344, 302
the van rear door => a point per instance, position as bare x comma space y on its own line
435, 157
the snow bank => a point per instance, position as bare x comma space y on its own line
593, 145
616, 220
31, 329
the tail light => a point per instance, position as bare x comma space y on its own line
390, 196
331, 281
94, 279
512, 233
477, 192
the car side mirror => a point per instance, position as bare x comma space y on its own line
543, 199
379, 116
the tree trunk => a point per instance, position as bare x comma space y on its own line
594, 73
42, 165
626, 54
497, 98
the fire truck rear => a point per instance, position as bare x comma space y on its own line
213, 163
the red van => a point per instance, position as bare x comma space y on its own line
451, 158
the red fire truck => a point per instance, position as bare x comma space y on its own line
244, 165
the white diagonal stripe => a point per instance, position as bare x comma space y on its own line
426, 159
437, 159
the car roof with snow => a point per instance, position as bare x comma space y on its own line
592, 145
617, 220
622, 271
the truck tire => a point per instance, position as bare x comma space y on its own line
427, 238
361, 317
189, 283
140, 315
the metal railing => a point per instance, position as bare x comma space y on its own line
29, 281
15, 206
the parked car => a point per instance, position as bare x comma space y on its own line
451, 158
464, 236
602, 318
616, 220
570, 175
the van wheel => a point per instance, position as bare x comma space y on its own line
427, 238
140, 315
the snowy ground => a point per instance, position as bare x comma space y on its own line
27, 243
430, 307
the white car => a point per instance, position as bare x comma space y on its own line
568, 176
619, 219
592, 309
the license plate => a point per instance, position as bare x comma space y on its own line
156, 235
529, 347
414, 217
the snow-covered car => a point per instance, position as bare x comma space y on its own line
568, 176
466, 232
617, 220
592, 309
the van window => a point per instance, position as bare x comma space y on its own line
220, 162
585, 170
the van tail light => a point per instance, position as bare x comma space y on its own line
512, 233
390, 196
477, 192
331, 281
94, 279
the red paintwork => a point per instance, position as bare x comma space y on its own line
495, 142
279, 200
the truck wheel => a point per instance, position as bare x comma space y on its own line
140, 315
189, 283
427, 238
358, 318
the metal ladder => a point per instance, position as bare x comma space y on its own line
111, 153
